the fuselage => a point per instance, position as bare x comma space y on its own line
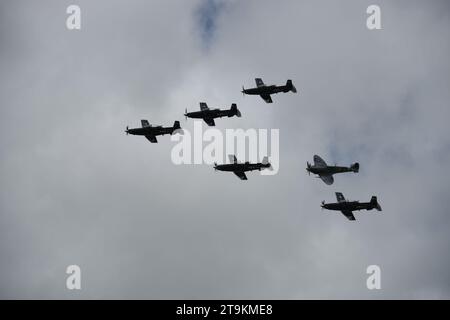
211, 114
329, 170
349, 205
266, 90
150, 130
242, 167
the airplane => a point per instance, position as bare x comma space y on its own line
150, 132
239, 169
326, 172
265, 91
346, 207
208, 114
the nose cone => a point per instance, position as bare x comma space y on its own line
130, 131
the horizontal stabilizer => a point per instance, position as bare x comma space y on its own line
265, 161
235, 110
355, 167
374, 202
290, 86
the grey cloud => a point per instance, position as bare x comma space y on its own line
76, 190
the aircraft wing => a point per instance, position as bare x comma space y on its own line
203, 106
318, 162
240, 174
266, 98
259, 82
151, 138
232, 158
327, 179
340, 197
145, 123
210, 122
348, 214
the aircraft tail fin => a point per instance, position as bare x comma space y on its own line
235, 110
375, 203
265, 161
290, 86
355, 167
177, 128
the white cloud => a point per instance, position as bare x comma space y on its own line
76, 190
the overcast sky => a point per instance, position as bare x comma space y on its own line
76, 190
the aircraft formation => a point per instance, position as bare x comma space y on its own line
325, 173
208, 115
319, 167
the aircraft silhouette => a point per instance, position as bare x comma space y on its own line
150, 132
208, 115
265, 91
347, 207
239, 169
326, 172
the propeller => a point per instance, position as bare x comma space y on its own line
215, 166
243, 93
323, 203
185, 114
308, 165
126, 130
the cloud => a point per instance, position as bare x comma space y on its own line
207, 13
76, 190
